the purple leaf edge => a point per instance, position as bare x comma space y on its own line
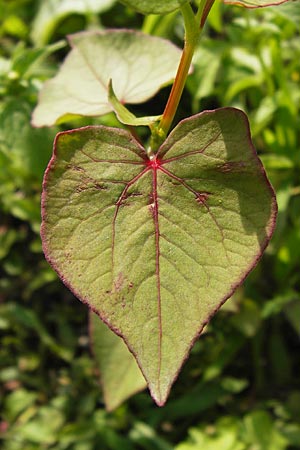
269, 232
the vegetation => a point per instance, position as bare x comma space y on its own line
240, 388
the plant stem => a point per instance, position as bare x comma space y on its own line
193, 28
203, 11
191, 38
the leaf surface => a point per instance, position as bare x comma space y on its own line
119, 372
154, 6
130, 58
156, 246
255, 3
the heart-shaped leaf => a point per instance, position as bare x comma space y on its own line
154, 6
119, 372
130, 58
255, 3
157, 245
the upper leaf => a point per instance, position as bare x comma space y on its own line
155, 246
138, 64
154, 6
255, 3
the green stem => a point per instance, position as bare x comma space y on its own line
192, 33
191, 37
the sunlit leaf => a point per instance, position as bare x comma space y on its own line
156, 246
131, 59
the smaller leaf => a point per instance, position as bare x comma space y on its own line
154, 6
255, 3
138, 64
120, 374
124, 115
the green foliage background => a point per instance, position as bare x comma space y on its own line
240, 389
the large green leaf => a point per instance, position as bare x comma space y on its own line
119, 372
155, 246
154, 6
130, 58
52, 12
255, 3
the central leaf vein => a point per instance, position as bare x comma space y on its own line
157, 263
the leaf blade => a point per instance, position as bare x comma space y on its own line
80, 87
157, 246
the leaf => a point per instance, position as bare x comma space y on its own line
255, 3
224, 434
146, 437
154, 6
19, 142
156, 246
290, 11
292, 311
120, 374
18, 401
261, 432
124, 115
130, 58
52, 12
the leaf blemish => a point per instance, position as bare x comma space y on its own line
119, 282
232, 166
202, 197
100, 187
75, 168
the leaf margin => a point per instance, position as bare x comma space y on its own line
244, 4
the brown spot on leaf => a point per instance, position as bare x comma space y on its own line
232, 166
75, 168
151, 209
202, 197
119, 282
81, 188
100, 187
135, 194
